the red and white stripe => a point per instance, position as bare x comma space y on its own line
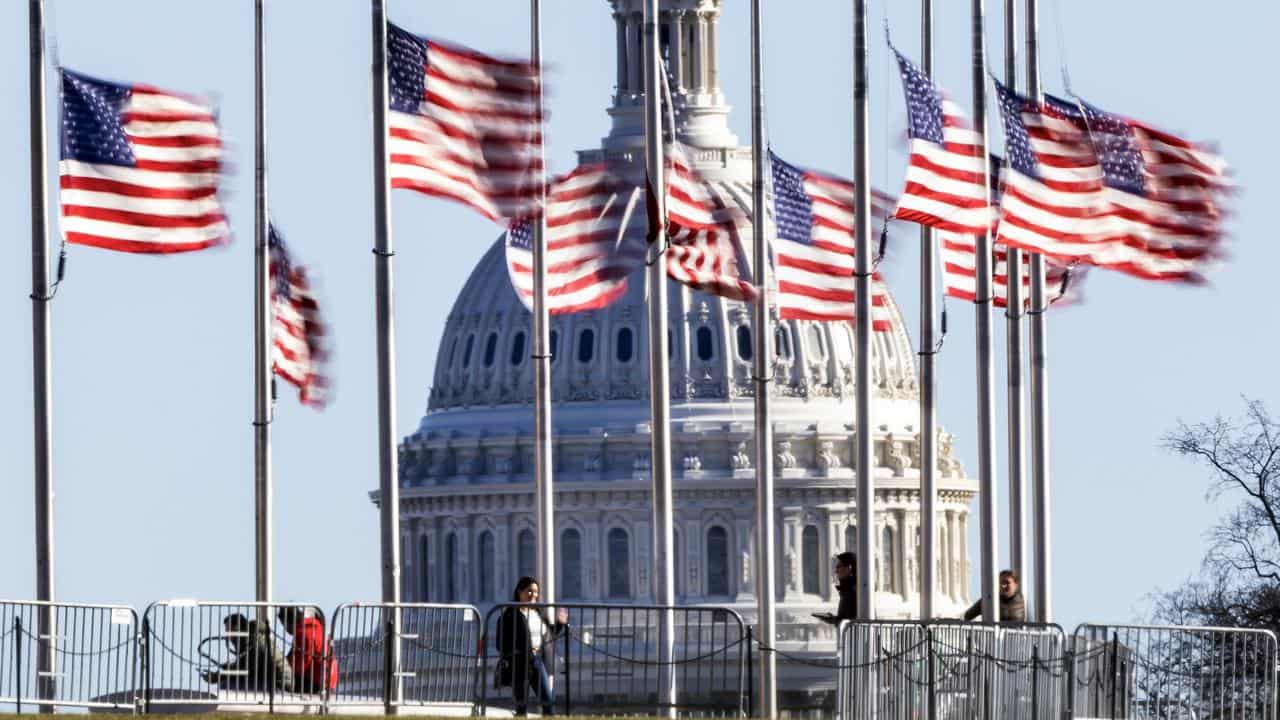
946, 184
958, 253
595, 238
168, 201
815, 282
476, 137
707, 230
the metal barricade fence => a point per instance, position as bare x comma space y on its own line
904, 670
438, 649
232, 654
605, 659
94, 656
882, 670
1170, 673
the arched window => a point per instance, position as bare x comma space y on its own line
453, 352
484, 584
451, 568
466, 351
706, 344
717, 561
811, 559
555, 346
745, 350
851, 539
490, 349
517, 348
424, 565
782, 343
623, 348
586, 345
526, 554
888, 568
619, 564
815, 338
571, 565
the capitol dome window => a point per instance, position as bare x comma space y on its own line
451, 568
624, 345
745, 350
782, 343
517, 349
484, 582
571, 565
717, 561
490, 349
706, 344
811, 557
586, 345
526, 554
466, 351
619, 544
424, 555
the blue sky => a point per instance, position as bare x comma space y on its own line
152, 356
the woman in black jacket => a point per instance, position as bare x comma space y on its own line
525, 639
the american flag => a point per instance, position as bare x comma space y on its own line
595, 228
959, 264
813, 249
463, 125
707, 232
139, 169
958, 253
298, 351
946, 180
1071, 202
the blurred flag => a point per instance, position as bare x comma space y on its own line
463, 125
297, 335
813, 249
1060, 200
1063, 285
595, 227
707, 232
946, 180
139, 169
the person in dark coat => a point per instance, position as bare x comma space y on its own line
256, 663
847, 587
526, 637
1013, 608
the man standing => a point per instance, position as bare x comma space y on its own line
1013, 608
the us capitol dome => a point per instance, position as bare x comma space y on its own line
467, 494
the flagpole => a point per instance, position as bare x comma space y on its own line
762, 370
388, 480
659, 371
40, 361
262, 486
1042, 603
543, 487
985, 361
1014, 357
928, 379
863, 317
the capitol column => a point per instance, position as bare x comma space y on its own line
620, 20
676, 51
952, 546
746, 563
791, 565
713, 65
835, 539
699, 51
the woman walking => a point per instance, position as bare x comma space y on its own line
525, 647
